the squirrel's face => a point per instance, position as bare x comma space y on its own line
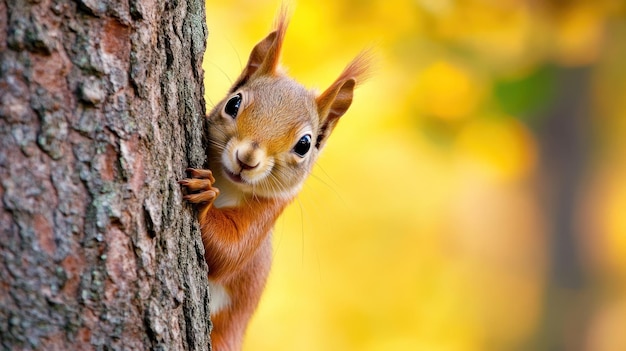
265, 134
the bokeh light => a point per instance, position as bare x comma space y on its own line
474, 196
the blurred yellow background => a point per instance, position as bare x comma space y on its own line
472, 198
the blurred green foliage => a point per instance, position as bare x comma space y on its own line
527, 97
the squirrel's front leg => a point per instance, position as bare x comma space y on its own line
222, 229
231, 235
202, 193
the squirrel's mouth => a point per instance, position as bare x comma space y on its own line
234, 177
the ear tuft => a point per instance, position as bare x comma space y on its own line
359, 68
272, 59
265, 56
336, 100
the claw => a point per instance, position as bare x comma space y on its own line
196, 184
205, 196
201, 173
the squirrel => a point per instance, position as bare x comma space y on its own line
264, 138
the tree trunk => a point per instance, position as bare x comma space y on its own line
564, 137
101, 106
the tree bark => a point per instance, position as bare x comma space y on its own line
101, 106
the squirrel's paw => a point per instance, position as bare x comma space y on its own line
200, 186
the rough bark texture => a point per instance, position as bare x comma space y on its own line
100, 113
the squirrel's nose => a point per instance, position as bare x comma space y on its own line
245, 165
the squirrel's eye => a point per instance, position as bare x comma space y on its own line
232, 106
303, 146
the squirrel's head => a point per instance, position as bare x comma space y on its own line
268, 131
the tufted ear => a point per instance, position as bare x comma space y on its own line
265, 55
336, 100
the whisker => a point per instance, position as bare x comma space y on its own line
329, 186
283, 172
301, 229
230, 43
211, 102
217, 143
230, 81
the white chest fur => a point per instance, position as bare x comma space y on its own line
224, 200
219, 297
229, 195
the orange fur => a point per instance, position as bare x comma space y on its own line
257, 158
